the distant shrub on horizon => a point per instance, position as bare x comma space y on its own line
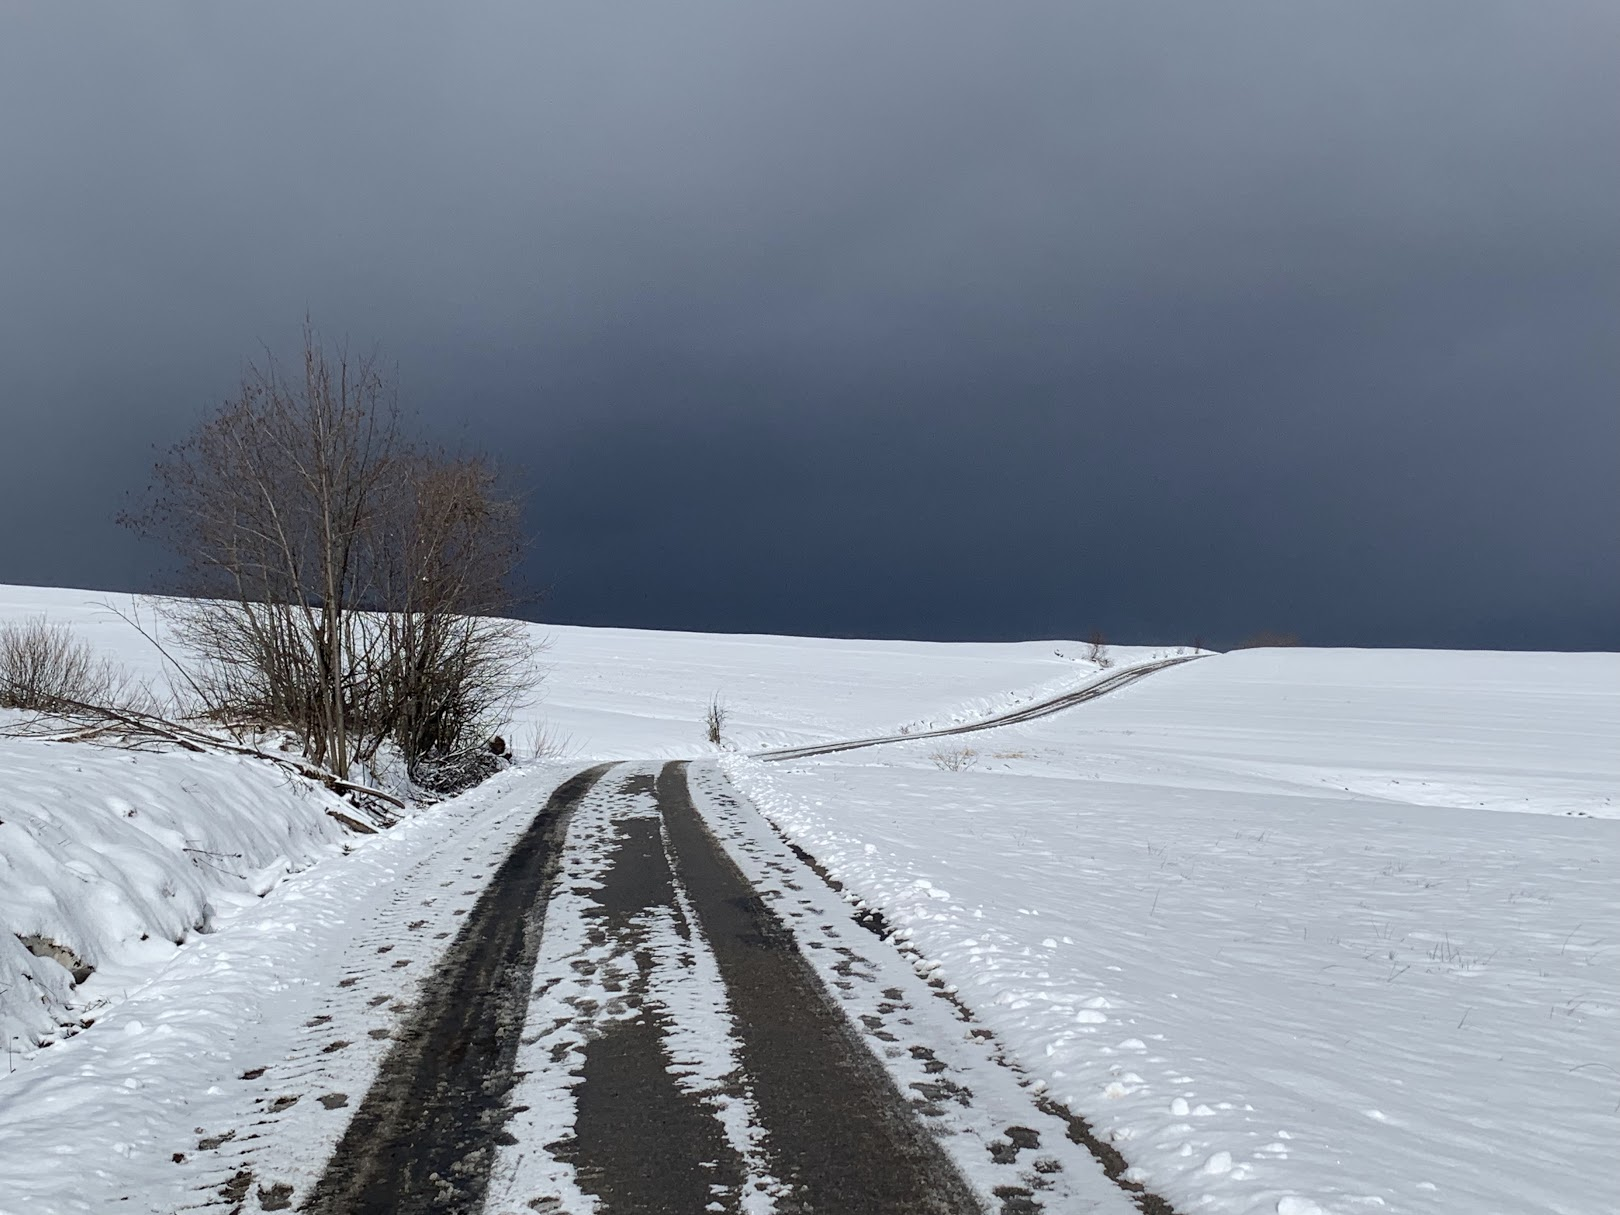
1268, 639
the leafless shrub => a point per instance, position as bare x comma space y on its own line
446, 773
958, 759
44, 668
540, 743
1097, 649
714, 721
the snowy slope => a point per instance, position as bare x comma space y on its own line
628, 693
1304, 930
121, 858
620, 692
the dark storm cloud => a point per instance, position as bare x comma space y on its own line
903, 318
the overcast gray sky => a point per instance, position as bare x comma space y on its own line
909, 319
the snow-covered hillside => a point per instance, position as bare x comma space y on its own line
112, 860
629, 693
1302, 931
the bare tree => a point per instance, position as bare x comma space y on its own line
343, 583
714, 721
445, 665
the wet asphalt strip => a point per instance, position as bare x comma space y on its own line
641, 1143
839, 1132
425, 1135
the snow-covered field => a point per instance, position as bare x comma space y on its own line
631, 694
1304, 931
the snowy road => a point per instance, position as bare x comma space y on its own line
707, 1029
1018, 716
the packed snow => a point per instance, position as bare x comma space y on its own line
1306, 932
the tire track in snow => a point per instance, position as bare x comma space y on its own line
681, 1056
262, 1130
699, 1034
422, 1139
842, 1136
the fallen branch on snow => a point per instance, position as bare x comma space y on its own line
132, 727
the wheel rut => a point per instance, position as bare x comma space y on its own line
842, 1135
424, 1135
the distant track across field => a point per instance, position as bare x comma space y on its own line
1055, 704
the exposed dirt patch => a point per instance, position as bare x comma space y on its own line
236, 1189
44, 947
